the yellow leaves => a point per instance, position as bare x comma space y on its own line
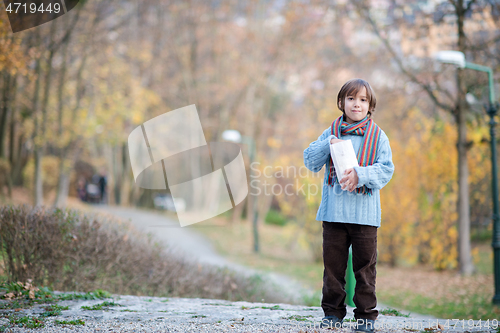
273, 143
419, 205
137, 118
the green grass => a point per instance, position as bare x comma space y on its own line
275, 307
101, 306
476, 307
298, 317
393, 312
481, 235
93, 295
70, 322
484, 259
53, 310
27, 322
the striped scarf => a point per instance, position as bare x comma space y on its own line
367, 153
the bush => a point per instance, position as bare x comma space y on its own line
275, 217
67, 250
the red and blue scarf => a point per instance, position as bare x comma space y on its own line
367, 153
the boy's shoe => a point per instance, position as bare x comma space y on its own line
331, 322
368, 325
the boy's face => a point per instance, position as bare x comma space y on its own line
356, 107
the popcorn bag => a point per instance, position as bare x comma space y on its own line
343, 157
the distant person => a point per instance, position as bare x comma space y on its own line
103, 186
81, 189
350, 207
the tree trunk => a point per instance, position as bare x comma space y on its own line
12, 129
64, 170
108, 152
126, 179
62, 186
4, 111
38, 186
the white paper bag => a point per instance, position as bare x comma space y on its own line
343, 156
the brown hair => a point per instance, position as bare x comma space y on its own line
351, 88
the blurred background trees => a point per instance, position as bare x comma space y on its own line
74, 88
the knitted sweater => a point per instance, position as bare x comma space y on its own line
339, 205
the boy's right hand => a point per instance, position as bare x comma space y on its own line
332, 141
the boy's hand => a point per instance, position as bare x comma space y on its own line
332, 141
350, 180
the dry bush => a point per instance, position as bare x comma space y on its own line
69, 250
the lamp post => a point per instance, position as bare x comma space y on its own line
235, 136
458, 58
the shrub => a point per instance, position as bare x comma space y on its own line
68, 250
275, 217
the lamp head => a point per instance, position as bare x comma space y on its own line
451, 57
231, 136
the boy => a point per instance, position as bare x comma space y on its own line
350, 207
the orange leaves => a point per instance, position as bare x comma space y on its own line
21, 290
419, 204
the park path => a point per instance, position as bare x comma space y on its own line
192, 245
187, 243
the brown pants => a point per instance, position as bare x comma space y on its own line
337, 237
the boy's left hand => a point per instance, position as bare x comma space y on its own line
350, 180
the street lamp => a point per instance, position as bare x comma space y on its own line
236, 137
458, 58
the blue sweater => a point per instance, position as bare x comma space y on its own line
339, 205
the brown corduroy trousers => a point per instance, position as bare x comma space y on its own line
337, 237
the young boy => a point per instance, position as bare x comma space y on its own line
350, 207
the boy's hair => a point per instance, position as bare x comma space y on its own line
351, 88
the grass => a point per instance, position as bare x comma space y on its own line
93, 295
101, 306
53, 310
393, 312
444, 294
298, 318
70, 322
27, 322
275, 307
476, 307
21, 298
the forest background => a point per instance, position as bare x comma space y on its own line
74, 88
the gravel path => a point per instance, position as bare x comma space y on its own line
155, 314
